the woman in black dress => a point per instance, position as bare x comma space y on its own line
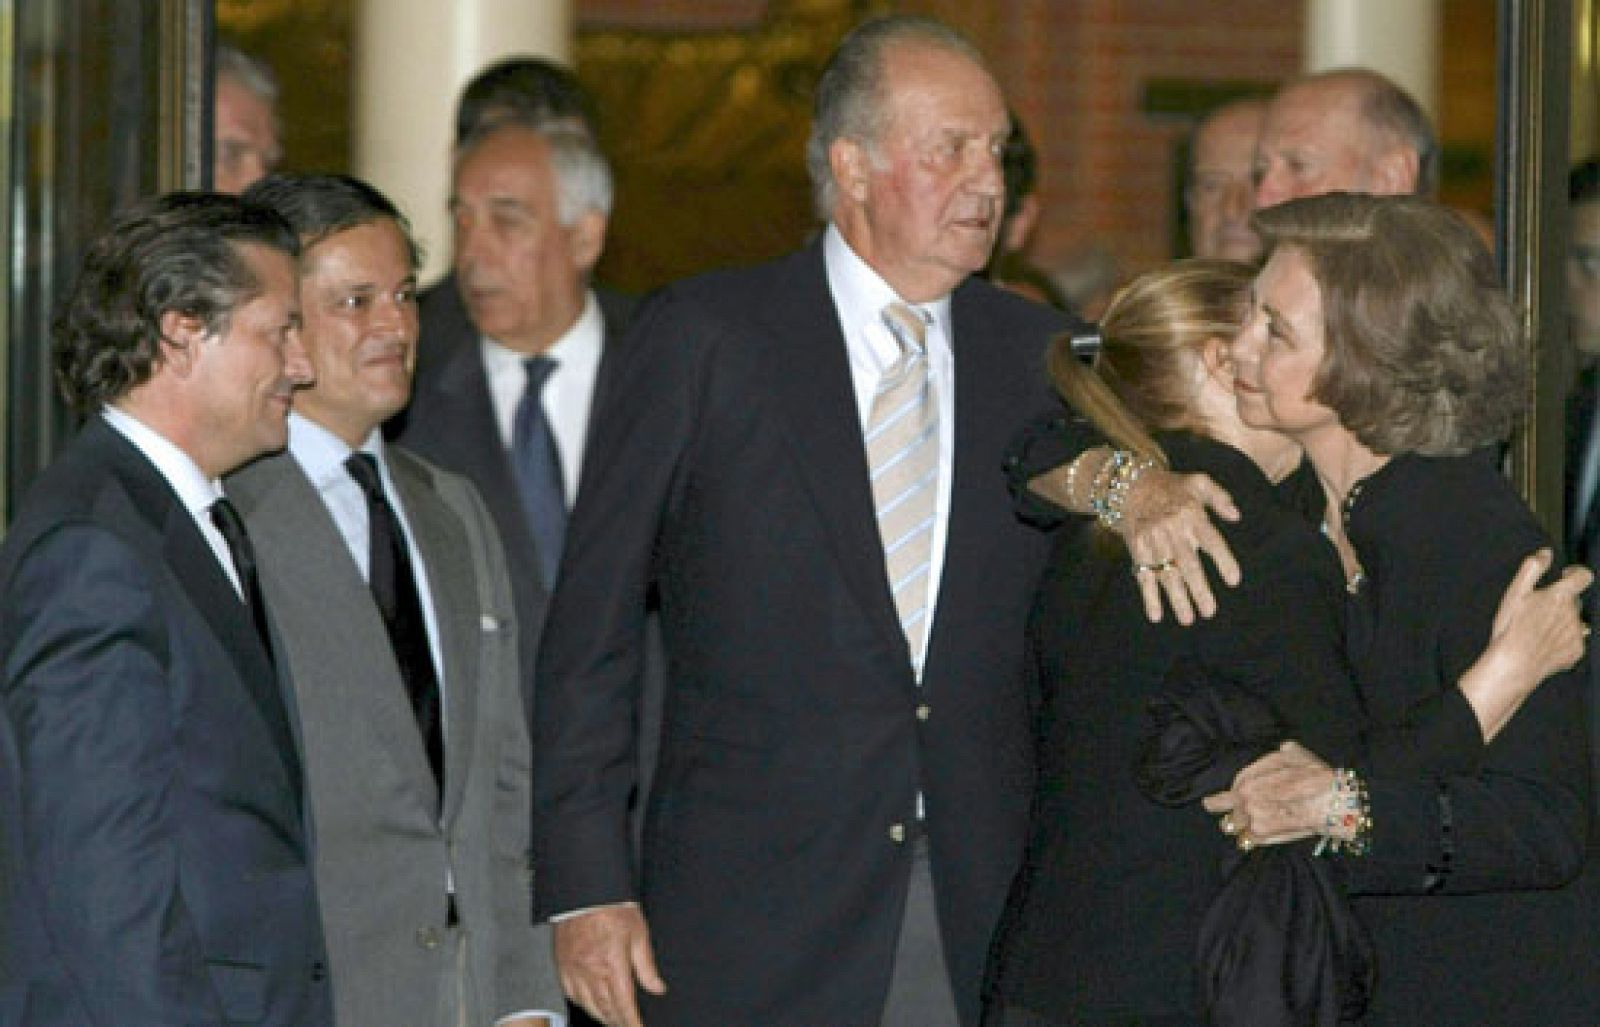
1102, 921
1378, 339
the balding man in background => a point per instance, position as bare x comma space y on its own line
1220, 193
1347, 130
245, 144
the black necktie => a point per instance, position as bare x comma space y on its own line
394, 587
538, 466
228, 521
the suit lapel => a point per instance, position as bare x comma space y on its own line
479, 453
194, 565
811, 380
307, 571
454, 588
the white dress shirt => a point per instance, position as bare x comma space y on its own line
568, 392
859, 296
194, 489
321, 455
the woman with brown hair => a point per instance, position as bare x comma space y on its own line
1102, 921
1379, 341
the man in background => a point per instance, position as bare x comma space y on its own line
245, 146
162, 848
395, 612
513, 341
1348, 130
1219, 195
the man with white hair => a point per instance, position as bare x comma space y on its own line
799, 459
505, 399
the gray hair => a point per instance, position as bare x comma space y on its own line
251, 72
582, 174
850, 99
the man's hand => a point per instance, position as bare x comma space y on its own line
1166, 524
599, 955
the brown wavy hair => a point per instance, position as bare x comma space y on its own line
1423, 350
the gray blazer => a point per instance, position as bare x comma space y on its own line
380, 856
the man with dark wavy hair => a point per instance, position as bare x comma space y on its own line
158, 870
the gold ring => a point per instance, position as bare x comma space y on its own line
1227, 824
1246, 843
1153, 568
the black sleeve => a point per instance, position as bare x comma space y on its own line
1046, 442
1519, 818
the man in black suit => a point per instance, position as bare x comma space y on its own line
530, 199
842, 792
162, 869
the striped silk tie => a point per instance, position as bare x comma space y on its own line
903, 455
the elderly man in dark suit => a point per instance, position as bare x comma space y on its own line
164, 872
394, 606
804, 459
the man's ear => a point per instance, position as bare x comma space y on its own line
588, 240
181, 336
851, 166
1396, 172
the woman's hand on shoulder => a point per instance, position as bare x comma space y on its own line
1537, 632
1167, 524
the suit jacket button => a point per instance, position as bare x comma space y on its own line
897, 833
923, 710
428, 937
319, 971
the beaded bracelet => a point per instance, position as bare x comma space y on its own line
1100, 487
1347, 826
1108, 496
1072, 481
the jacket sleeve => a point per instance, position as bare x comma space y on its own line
1516, 819
592, 655
525, 975
87, 688
1044, 443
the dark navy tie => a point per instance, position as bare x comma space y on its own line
394, 588
538, 465
228, 521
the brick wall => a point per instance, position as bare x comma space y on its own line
1077, 72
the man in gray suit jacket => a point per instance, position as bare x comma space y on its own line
391, 592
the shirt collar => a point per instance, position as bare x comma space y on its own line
580, 346
322, 454
860, 293
194, 489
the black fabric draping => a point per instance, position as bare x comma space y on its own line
1279, 943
